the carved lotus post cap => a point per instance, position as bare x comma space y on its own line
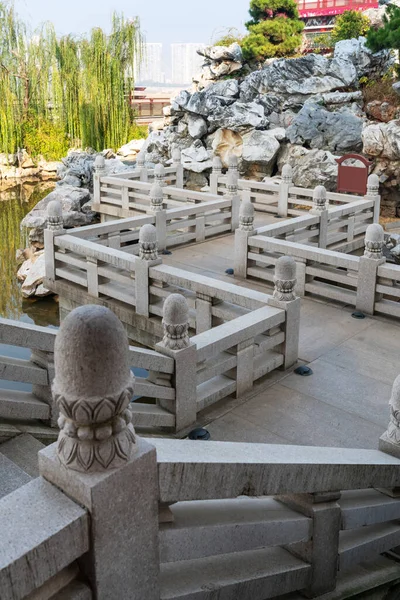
147, 234
54, 209
287, 170
373, 181
156, 192
176, 155
320, 194
99, 162
374, 233
285, 268
91, 354
159, 170
176, 310
233, 160
246, 209
395, 397
217, 162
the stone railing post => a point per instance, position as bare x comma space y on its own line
233, 163
177, 163
322, 551
286, 183
159, 175
389, 442
215, 175
141, 167
176, 344
148, 255
99, 461
284, 297
368, 268
320, 209
156, 207
54, 227
232, 191
373, 194
99, 167
242, 234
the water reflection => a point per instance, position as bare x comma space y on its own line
15, 202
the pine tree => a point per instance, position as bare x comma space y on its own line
274, 29
388, 36
350, 24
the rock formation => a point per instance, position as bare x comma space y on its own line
306, 111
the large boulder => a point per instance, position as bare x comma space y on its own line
382, 139
382, 111
32, 273
72, 199
197, 126
196, 158
238, 117
225, 143
316, 127
364, 60
260, 148
310, 167
131, 149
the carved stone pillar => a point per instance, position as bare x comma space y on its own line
285, 279
176, 322
156, 197
93, 387
246, 216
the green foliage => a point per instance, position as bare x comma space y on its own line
227, 37
388, 36
138, 132
350, 24
45, 138
321, 42
66, 88
275, 30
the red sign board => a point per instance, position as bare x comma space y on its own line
353, 179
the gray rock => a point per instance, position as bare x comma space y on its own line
310, 167
262, 148
72, 199
382, 139
228, 89
319, 128
197, 126
396, 87
363, 59
238, 117
340, 98
71, 180
223, 53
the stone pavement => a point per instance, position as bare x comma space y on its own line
354, 362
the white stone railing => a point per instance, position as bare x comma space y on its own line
38, 371
281, 197
238, 335
187, 517
318, 243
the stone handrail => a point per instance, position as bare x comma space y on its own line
281, 197
43, 533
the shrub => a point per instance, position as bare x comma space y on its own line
44, 138
227, 37
350, 24
138, 132
274, 30
388, 36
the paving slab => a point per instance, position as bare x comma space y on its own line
304, 420
233, 427
346, 390
12, 477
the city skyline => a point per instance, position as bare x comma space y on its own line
174, 63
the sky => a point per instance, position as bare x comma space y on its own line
163, 21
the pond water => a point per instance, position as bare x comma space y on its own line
15, 203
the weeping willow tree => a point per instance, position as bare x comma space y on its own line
68, 91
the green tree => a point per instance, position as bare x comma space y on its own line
388, 36
274, 29
350, 24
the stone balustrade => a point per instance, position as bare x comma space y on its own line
187, 517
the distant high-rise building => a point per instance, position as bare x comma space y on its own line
151, 67
185, 62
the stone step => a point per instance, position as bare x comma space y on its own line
15, 404
211, 527
150, 415
254, 575
11, 428
12, 476
23, 451
367, 507
365, 543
